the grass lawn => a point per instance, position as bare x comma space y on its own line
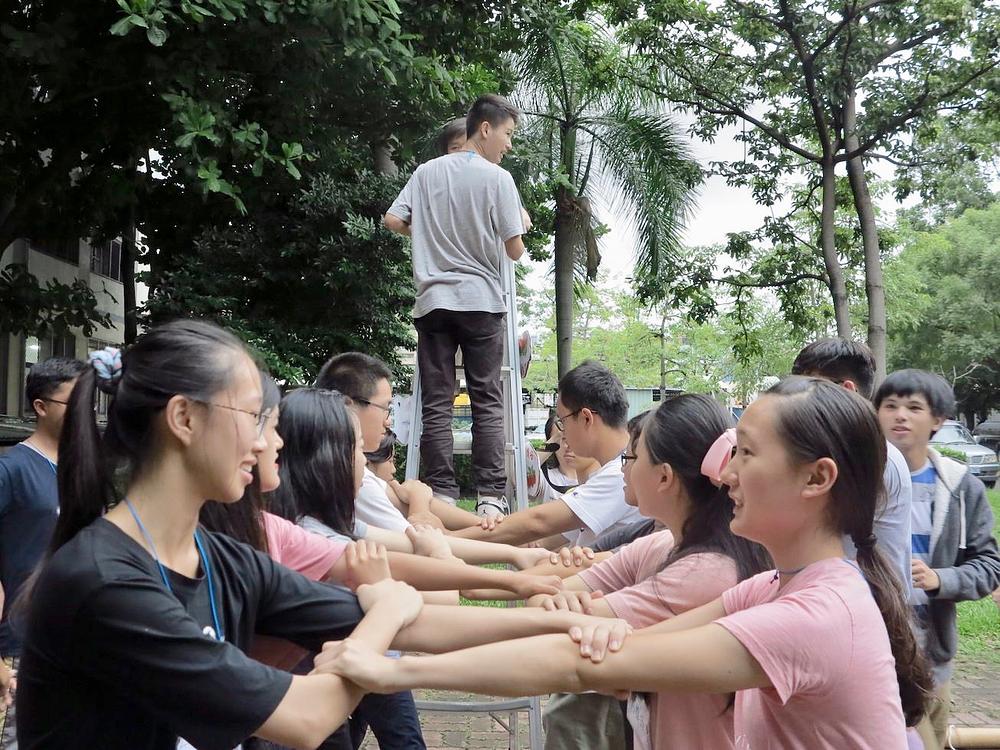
469, 504
979, 622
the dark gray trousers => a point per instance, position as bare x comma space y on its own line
480, 335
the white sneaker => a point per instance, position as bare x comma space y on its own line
492, 505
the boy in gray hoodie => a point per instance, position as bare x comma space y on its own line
954, 553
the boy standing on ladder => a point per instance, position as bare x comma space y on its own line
464, 215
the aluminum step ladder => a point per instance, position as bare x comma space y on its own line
513, 423
517, 481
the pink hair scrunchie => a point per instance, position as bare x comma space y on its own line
718, 457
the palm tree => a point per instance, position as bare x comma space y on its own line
603, 141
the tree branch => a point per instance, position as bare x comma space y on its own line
772, 284
729, 109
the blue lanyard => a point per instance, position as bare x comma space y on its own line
163, 573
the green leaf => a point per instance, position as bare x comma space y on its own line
122, 26
156, 36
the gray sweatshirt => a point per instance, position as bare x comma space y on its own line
963, 552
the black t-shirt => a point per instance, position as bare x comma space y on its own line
29, 508
113, 660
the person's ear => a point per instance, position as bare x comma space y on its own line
822, 475
40, 407
850, 385
667, 477
938, 423
182, 417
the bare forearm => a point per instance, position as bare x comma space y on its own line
428, 574
315, 705
514, 529
701, 660
453, 518
476, 552
566, 571
439, 629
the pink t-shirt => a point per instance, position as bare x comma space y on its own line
823, 644
642, 594
311, 555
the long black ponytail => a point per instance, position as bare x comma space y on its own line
818, 419
185, 357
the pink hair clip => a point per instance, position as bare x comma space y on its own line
719, 456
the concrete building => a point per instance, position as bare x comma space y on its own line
97, 265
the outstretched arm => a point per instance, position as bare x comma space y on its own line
436, 575
315, 705
528, 525
705, 659
439, 629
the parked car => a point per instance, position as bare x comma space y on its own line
987, 433
982, 461
13, 430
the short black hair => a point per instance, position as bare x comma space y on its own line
838, 359
593, 386
448, 133
939, 395
490, 108
354, 374
386, 449
46, 376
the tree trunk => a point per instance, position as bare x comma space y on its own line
663, 357
128, 280
382, 155
566, 243
838, 289
869, 236
129, 256
565, 250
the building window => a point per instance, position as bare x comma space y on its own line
106, 259
64, 248
63, 346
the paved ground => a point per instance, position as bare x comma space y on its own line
975, 703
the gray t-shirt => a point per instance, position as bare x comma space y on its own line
461, 210
892, 522
315, 526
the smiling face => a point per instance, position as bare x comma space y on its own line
224, 441
496, 140
907, 421
267, 462
767, 488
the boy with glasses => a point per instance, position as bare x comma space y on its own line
29, 499
592, 413
367, 381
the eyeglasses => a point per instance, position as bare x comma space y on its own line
560, 422
626, 457
366, 402
260, 417
55, 401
